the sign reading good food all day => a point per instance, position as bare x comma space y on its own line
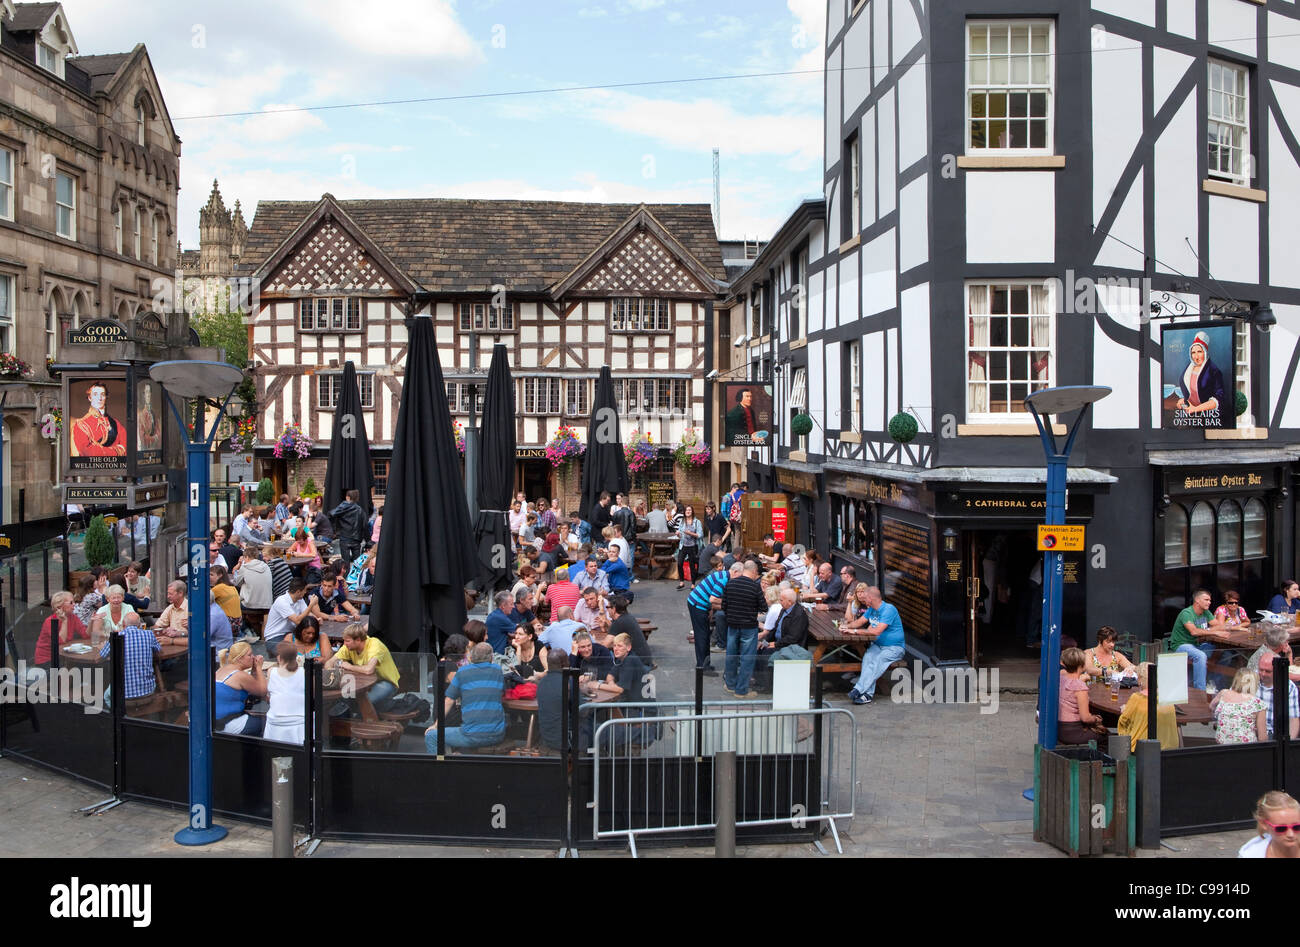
97, 331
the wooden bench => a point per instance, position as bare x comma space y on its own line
379, 735
855, 666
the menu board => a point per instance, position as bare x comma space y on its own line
906, 583
660, 492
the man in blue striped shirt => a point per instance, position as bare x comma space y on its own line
478, 686
708, 592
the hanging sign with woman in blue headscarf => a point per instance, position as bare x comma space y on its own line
1196, 371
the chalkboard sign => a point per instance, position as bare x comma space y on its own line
906, 583
661, 491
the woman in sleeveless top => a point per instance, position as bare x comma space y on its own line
286, 689
239, 674
1105, 657
309, 642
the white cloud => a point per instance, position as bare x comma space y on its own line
280, 122
415, 29
702, 123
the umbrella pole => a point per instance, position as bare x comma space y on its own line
471, 468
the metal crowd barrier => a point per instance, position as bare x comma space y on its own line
654, 775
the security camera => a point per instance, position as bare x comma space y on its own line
712, 375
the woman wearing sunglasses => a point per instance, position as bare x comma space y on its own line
1277, 817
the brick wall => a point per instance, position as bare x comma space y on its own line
313, 467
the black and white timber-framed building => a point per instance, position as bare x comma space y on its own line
1009, 189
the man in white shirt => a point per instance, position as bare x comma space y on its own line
591, 611
283, 616
793, 564
559, 633
624, 550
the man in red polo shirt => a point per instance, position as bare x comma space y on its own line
562, 592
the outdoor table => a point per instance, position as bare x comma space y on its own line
335, 629
165, 652
1249, 636
360, 598
360, 683
812, 595
658, 544
529, 707
1196, 710
830, 641
299, 563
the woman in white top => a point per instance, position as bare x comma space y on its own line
112, 617
286, 689
773, 596
1277, 818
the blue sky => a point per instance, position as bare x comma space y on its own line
651, 143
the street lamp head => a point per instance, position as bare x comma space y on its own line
196, 379
1063, 400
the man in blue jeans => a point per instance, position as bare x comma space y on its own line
479, 686
1193, 623
705, 595
742, 602
880, 622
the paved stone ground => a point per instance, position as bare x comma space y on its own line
932, 780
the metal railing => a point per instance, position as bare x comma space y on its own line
654, 775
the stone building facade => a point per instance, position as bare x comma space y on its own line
89, 175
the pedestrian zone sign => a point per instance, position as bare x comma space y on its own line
1060, 538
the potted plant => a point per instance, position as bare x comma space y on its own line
100, 548
640, 451
309, 489
690, 451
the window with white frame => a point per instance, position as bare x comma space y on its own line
52, 328
459, 394
542, 396
798, 402
487, 317
576, 404
7, 165
117, 227
851, 367
799, 294
1010, 346
330, 386
1241, 349
47, 57
852, 217
330, 314
632, 314
65, 205
1228, 113
755, 314
7, 306
155, 239
1009, 82
140, 124
637, 397
138, 218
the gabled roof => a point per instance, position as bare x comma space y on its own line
462, 246
30, 17
101, 69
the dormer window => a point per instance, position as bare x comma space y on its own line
48, 58
140, 127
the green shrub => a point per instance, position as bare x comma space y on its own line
265, 491
309, 489
100, 548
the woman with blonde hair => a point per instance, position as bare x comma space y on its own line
110, 618
239, 675
1237, 712
1277, 821
1135, 719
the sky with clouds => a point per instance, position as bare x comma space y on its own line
648, 143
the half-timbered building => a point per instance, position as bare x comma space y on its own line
1026, 194
567, 287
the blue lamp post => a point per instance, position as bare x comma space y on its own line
1043, 405
193, 380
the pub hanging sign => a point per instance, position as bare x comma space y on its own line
114, 422
97, 331
1196, 371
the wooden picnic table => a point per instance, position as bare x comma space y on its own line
829, 640
165, 652
1249, 636
360, 598
658, 544
1196, 710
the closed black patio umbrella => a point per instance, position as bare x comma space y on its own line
349, 460
496, 465
424, 557
604, 467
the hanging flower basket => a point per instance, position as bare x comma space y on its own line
565, 447
690, 452
11, 366
640, 452
458, 429
245, 436
292, 443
